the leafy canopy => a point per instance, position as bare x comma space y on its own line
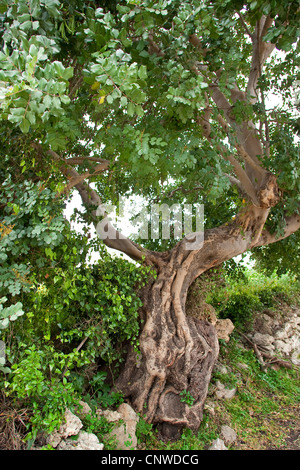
120, 82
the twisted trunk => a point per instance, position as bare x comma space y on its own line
168, 381
178, 352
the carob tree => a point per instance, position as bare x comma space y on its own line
168, 100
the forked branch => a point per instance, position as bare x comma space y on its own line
91, 199
261, 51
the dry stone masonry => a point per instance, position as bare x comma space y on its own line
279, 335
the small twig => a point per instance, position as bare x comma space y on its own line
245, 26
180, 188
256, 350
259, 356
77, 349
276, 360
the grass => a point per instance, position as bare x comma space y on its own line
263, 400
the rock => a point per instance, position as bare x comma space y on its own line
224, 393
83, 409
125, 434
85, 441
265, 324
111, 416
264, 340
228, 435
221, 368
283, 346
241, 365
210, 407
218, 444
224, 328
53, 439
70, 427
296, 358
278, 334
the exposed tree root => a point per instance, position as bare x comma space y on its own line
272, 360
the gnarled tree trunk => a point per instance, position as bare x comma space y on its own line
178, 352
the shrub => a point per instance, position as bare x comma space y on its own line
7, 315
240, 307
238, 300
36, 383
75, 319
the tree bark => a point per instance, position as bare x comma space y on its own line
178, 352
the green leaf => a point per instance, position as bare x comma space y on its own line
130, 109
123, 101
142, 72
26, 25
31, 117
59, 68
25, 125
68, 73
139, 111
47, 101
65, 99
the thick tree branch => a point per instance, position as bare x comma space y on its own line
250, 147
250, 186
74, 180
79, 160
91, 199
229, 240
244, 182
246, 133
253, 163
261, 51
235, 182
292, 225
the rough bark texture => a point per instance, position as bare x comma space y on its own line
178, 352
168, 381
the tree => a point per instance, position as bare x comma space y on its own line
168, 100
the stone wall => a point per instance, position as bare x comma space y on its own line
278, 333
